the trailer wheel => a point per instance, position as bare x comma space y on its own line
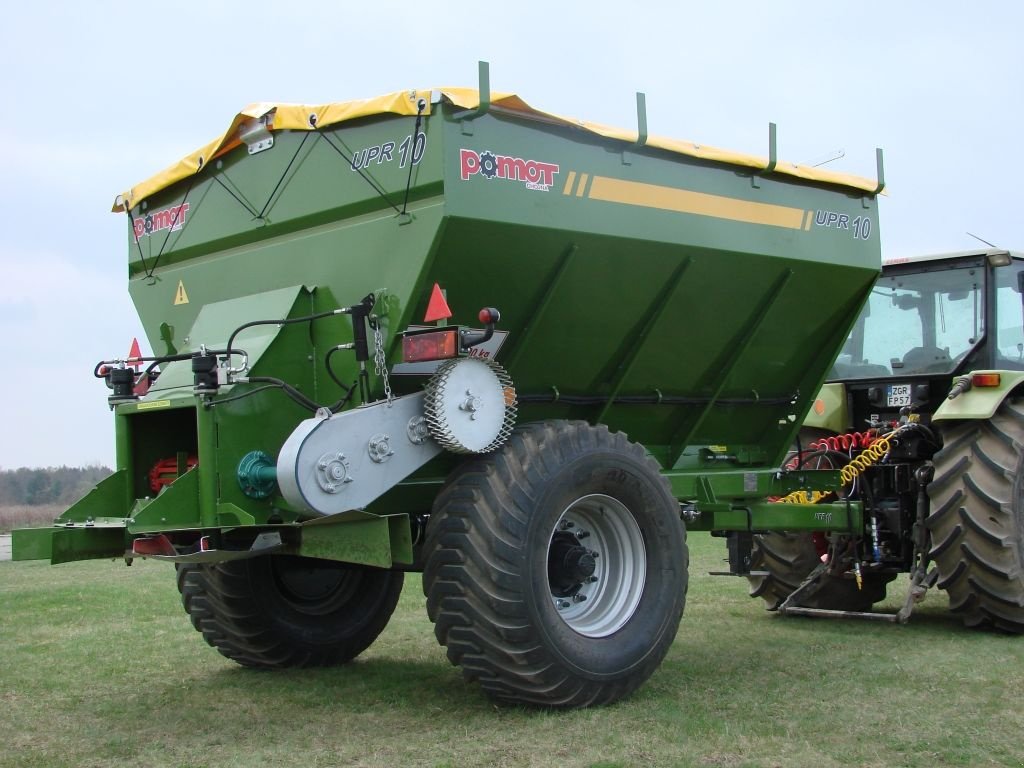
977, 519
282, 611
556, 567
192, 587
788, 558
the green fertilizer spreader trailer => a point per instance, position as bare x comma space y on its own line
443, 331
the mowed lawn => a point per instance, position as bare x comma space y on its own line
99, 666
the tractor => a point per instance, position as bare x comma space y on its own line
923, 415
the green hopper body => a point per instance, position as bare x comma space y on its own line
691, 303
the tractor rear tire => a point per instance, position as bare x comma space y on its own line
789, 558
279, 611
556, 567
977, 519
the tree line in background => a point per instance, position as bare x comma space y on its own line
52, 485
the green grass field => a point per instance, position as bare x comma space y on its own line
99, 666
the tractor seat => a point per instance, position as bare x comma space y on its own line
926, 359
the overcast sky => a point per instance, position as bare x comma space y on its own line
98, 96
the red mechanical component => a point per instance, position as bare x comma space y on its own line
165, 472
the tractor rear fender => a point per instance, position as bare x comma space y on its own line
980, 402
829, 410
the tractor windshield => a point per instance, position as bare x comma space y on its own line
915, 323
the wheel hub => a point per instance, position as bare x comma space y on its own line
569, 564
597, 565
314, 589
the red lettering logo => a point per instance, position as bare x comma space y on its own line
533, 173
169, 218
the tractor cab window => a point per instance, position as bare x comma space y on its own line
1009, 322
915, 323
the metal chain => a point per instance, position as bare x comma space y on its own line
380, 364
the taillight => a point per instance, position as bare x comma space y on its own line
985, 379
436, 345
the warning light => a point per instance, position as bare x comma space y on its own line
437, 307
985, 380
437, 345
819, 407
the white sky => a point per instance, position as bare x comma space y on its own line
98, 96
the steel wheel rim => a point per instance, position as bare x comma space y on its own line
312, 590
605, 588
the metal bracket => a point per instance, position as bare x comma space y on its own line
466, 120
773, 157
256, 135
641, 127
879, 174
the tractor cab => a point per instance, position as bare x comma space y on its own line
926, 322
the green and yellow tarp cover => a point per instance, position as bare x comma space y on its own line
298, 117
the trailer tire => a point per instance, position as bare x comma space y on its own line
976, 523
505, 568
788, 558
192, 587
279, 611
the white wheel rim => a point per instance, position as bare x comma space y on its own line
596, 595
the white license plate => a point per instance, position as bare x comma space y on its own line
897, 395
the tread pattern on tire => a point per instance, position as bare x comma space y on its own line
789, 558
475, 593
977, 519
192, 587
233, 614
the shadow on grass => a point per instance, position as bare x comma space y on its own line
362, 683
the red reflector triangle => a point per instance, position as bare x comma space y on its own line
135, 353
437, 307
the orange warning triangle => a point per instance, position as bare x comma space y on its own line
437, 307
180, 297
135, 353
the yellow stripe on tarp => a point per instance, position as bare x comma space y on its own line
698, 203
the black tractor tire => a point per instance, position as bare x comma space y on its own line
789, 558
499, 585
279, 611
976, 522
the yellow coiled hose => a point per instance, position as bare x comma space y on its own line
868, 456
873, 453
802, 497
